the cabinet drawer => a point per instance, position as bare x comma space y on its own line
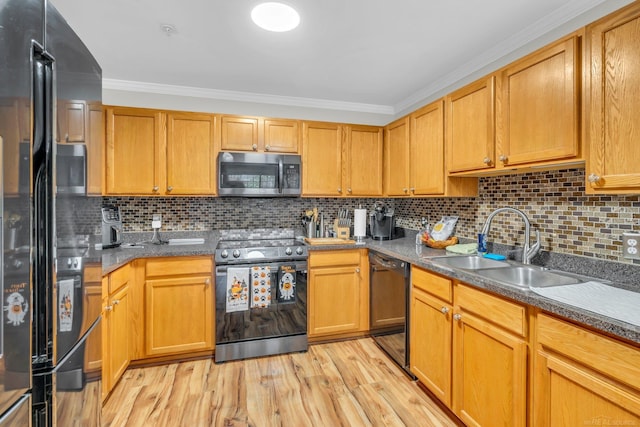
606, 355
119, 278
178, 266
501, 312
432, 283
92, 273
334, 258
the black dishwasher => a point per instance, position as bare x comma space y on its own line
389, 309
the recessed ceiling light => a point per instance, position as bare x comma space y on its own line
276, 17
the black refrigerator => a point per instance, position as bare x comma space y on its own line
49, 82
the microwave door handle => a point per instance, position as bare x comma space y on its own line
280, 175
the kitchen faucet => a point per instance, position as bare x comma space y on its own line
528, 251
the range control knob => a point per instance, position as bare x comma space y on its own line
69, 262
299, 250
288, 251
17, 264
236, 253
224, 253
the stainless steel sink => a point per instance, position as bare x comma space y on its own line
472, 262
525, 277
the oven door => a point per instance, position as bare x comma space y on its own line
284, 315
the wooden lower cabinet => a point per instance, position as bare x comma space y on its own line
583, 378
338, 288
92, 307
179, 306
469, 348
115, 327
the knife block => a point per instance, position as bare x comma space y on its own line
342, 232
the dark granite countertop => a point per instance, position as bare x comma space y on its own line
421, 256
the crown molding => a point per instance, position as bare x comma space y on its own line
228, 95
527, 35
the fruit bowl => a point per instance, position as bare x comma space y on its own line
438, 244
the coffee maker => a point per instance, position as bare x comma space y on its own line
111, 226
381, 222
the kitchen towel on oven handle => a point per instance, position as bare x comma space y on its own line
287, 284
237, 289
260, 286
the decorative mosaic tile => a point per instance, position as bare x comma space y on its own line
569, 221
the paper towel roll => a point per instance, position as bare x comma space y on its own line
359, 222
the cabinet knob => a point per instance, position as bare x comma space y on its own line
444, 310
267, 147
108, 308
593, 178
156, 188
207, 282
405, 189
357, 269
486, 161
169, 188
254, 147
504, 158
66, 137
348, 190
457, 317
116, 301
412, 189
339, 190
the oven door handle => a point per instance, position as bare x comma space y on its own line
280, 176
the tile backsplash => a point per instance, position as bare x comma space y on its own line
569, 221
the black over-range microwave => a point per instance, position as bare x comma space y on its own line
259, 174
71, 169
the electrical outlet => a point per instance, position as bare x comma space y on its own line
156, 222
631, 245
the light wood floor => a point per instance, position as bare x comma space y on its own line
350, 383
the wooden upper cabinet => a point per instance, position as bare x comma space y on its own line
135, 149
470, 117
151, 152
397, 157
281, 136
539, 119
239, 133
427, 150
322, 159
364, 160
191, 162
612, 101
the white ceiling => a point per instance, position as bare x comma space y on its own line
368, 55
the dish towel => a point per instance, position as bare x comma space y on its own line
260, 287
237, 289
65, 305
287, 283
463, 248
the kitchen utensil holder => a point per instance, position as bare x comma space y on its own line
342, 232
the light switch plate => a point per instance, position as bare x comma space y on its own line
631, 245
156, 222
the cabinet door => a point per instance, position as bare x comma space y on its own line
470, 118
135, 150
430, 343
541, 106
281, 136
239, 133
119, 326
334, 300
92, 300
396, 158
191, 161
106, 340
489, 373
95, 148
427, 150
178, 315
322, 159
613, 104
364, 160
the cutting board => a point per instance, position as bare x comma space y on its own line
328, 241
